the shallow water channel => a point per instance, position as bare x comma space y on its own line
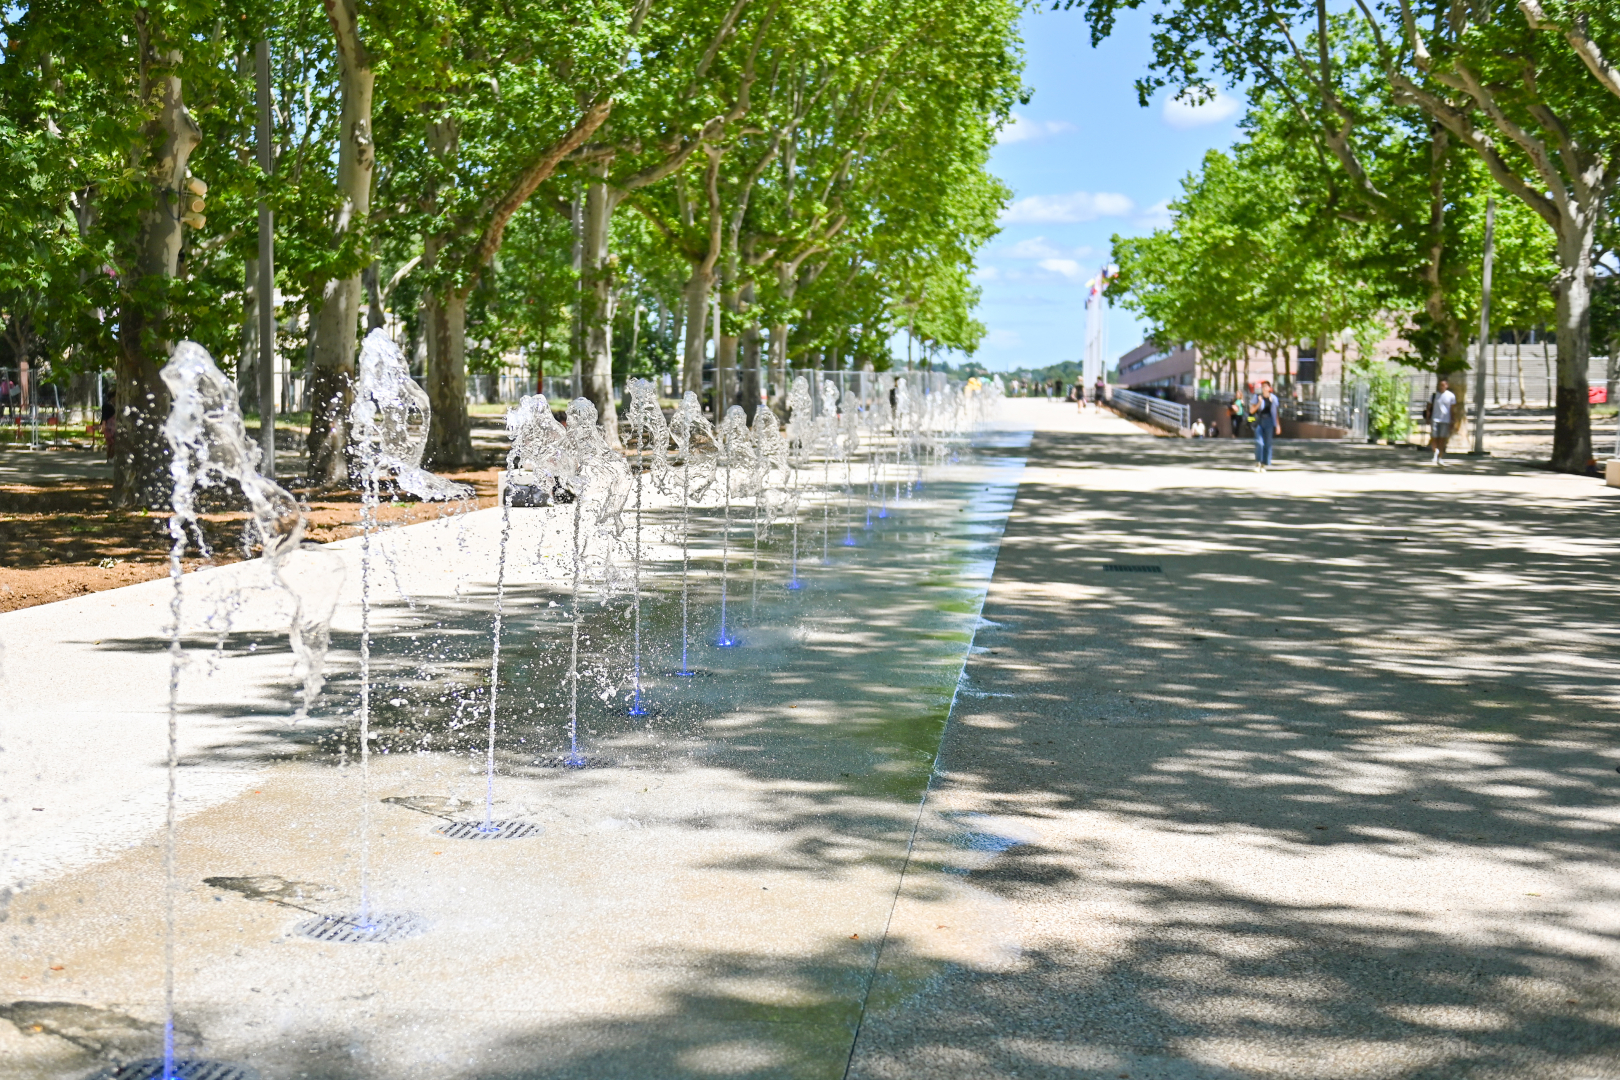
710, 894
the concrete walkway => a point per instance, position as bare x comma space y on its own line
708, 897
1306, 774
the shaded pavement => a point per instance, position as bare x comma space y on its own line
1324, 784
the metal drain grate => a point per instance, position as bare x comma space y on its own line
348, 929
1133, 568
495, 830
184, 1069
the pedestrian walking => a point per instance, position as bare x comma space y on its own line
1098, 391
1265, 414
1441, 406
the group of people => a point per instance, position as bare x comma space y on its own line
1259, 415
1261, 412
1077, 393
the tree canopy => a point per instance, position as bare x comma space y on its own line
564, 185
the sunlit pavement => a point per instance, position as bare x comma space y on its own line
1299, 774
710, 896
1302, 774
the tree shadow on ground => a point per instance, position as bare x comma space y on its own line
1289, 789
1286, 687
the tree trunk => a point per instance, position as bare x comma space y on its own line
597, 302
444, 316
1450, 342
576, 216
1572, 422
450, 432
779, 342
140, 452
1518, 363
726, 344
247, 369
752, 377
696, 295
371, 281
333, 344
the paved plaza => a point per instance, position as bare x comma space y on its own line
1103, 756
1330, 791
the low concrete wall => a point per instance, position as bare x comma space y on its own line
1301, 429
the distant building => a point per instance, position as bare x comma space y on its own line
1162, 372
1181, 372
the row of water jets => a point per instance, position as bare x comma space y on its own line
570, 464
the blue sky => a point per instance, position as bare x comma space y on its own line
1084, 162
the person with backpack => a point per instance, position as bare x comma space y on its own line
1438, 413
1265, 415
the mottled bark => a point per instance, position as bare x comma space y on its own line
725, 349
750, 373
247, 369
779, 340
450, 430
334, 337
696, 296
597, 303
1572, 422
140, 452
1451, 347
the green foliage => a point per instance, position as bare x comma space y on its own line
1253, 258
855, 156
1389, 396
523, 301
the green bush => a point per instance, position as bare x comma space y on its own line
1388, 411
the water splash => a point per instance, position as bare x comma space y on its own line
651, 434
590, 468
902, 421
770, 454
800, 434
209, 447
391, 418
732, 439
688, 430
885, 417
828, 430
388, 431
850, 422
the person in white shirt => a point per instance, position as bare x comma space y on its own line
1441, 407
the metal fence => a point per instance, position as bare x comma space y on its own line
1168, 414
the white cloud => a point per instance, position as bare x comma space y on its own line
1067, 209
1003, 339
1039, 247
986, 273
1035, 247
1156, 216
1182, 115
1023, 129
1066, 267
